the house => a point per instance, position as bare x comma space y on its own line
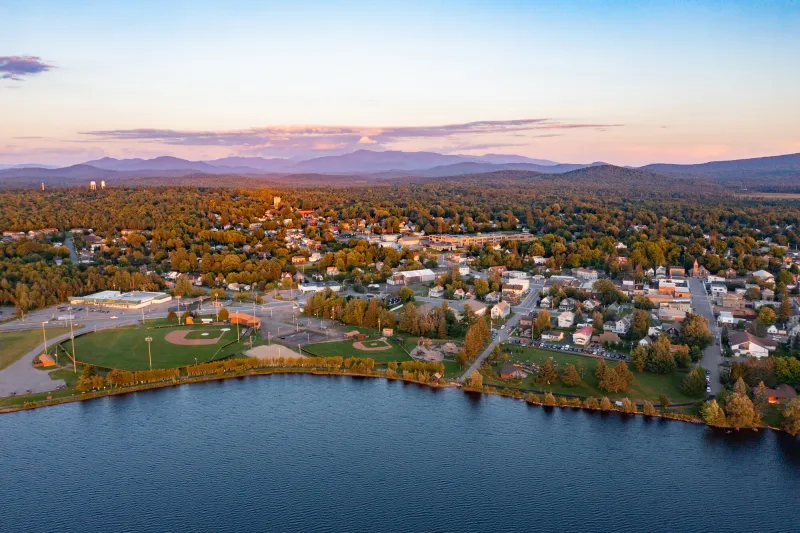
744, 343
477, 307
513, 372
677, 272
331, 271
459, 294
585, 274
500, 310
553, 335
582, 336
763, 275
436, 292
566, 319
567, 304
671, 314
546, 302
512, 292
780, 393
620, 326
590, 305
298, 259
492, 297
726, 317
644, 342
661, 272
607, 337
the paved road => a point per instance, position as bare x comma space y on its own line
502, 335
712, 356
73, 256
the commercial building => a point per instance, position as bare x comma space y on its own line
480, 239
319, 286
122, 300
407, 277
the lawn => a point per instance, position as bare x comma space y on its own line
346, 349
17, 343
125, 348
645, 386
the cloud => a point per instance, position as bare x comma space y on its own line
17, 67
304, 139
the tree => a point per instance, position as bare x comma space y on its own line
791, 417
767, 315
549, 399
597, 321
571, 378
785, 310
547, 375
760, 401
712, 414
475, 381
648, 409
223, 314
740, 410
639, 357
740, 387
606, 290
461, 358
619, 379
640, 324
695, 331
628, 406
172, 315
601, 369
481, 287
660, 359
605, 404
542, 323
694, 384
406, 295
664, 401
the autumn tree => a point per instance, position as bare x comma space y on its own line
172, 315
640, 323
712, 414
475, 381
549, 399
767, 315
648, 408
664, 401
223, 314
760, 401
570, 377
639, 357
542, 323
785, 309
620, 379
791, 417
605, 404
739, 408
695, 332
628, 406
597, 321
659, 357
547, 374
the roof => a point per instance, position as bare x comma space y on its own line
511, 369
782, 391
585, 330
742, 336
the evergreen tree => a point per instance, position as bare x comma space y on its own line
694, 384
547, 374
571, 378
740, 411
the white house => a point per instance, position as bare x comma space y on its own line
763, 275
501, 310
436, 292
566, 319
743, 343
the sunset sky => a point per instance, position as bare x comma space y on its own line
624, 82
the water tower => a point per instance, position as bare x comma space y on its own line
92, 186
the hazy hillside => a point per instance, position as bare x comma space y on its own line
740, 169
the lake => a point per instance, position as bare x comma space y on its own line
310, 453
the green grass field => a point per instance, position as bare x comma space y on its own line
126, 349
646, 386
15, 344
345, 349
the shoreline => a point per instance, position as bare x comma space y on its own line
488, 391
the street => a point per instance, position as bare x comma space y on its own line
712, 356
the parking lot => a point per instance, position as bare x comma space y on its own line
592, 350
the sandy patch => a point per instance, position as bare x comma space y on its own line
273, 351
179, 337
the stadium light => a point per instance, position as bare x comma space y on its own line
149, 354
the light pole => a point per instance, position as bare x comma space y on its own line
149, 354
72, 337
45, 336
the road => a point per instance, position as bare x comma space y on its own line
73, 256
712, 356
524, 307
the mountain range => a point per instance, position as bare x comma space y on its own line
373, 165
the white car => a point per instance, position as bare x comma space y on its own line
708, 389
503, 326
114, 316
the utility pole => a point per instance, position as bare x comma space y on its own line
149, 354
45, 337
72, 337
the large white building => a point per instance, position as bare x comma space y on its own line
122, 300
406, 277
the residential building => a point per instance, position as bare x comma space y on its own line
744, 343
566, 319
582, 336
477, 307
554, 335
501, 310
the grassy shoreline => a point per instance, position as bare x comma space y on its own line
674, 416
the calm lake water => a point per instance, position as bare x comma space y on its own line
309, 453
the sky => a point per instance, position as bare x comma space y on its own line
628, 83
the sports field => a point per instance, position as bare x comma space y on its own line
378, 350
126, 348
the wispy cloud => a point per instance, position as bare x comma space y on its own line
305, 138
17, 67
